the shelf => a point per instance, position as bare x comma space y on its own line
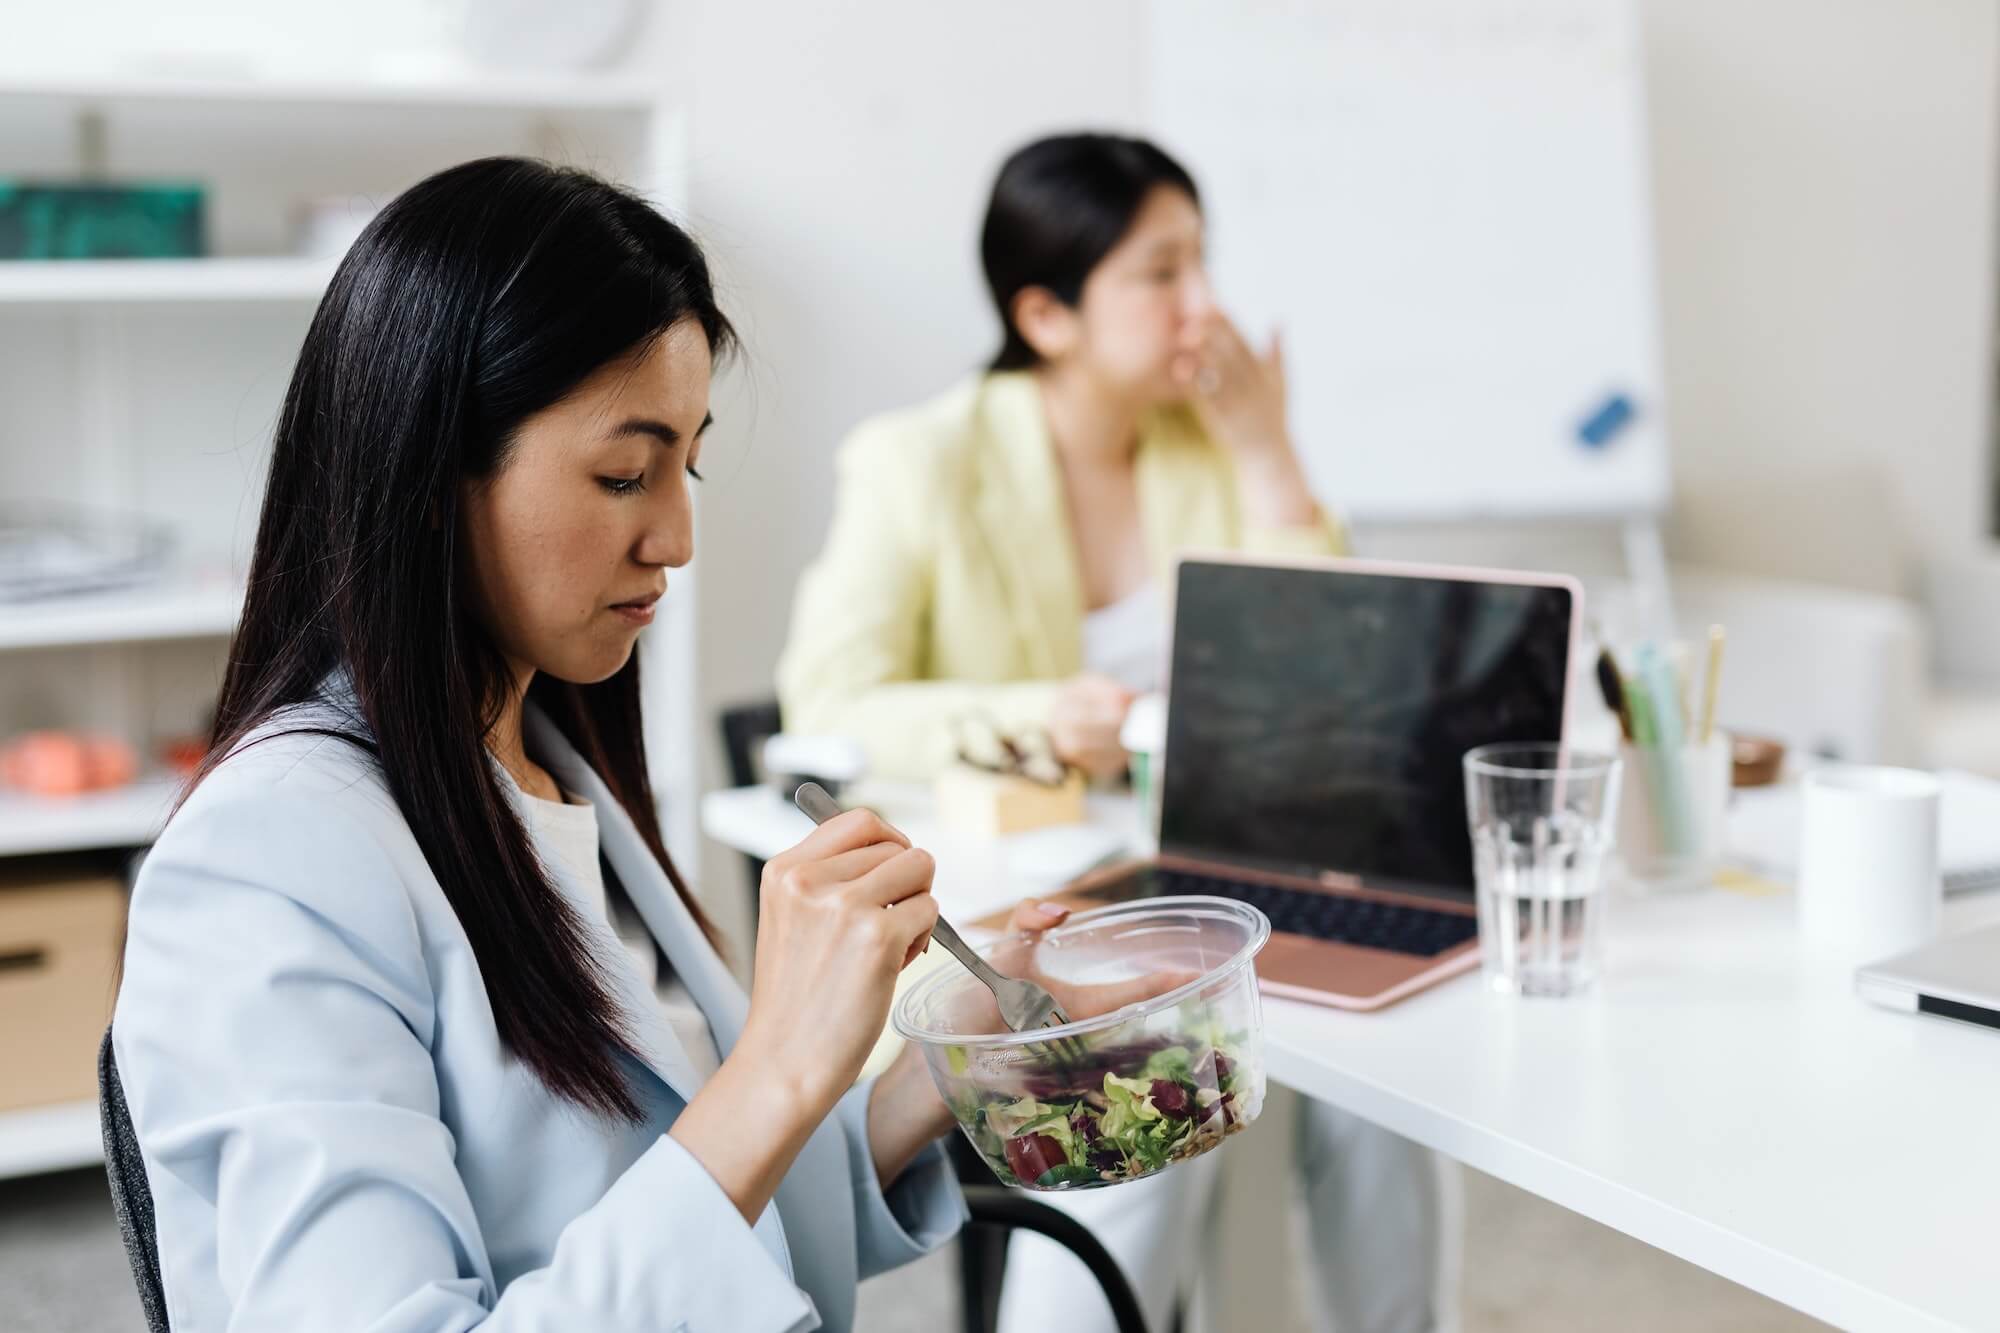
49, 1138
472, 89
129, 816
145, 612
87, 281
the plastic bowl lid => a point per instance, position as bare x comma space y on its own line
1255, 926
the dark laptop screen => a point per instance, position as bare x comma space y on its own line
1318, 717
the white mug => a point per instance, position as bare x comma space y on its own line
1868, 863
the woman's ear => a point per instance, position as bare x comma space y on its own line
1045, 322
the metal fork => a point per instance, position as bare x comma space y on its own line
1024, 1006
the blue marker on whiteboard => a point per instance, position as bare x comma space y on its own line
1612, 415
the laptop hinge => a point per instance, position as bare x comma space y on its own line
1334, 879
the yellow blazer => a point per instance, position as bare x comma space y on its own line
949, 582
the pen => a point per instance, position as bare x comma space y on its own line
1613, 689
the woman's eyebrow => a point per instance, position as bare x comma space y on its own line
659, 430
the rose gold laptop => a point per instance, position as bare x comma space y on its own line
1318, 714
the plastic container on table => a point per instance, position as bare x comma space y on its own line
1163, 994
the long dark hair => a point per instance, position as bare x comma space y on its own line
475, 299
1059, 205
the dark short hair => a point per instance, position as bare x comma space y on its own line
1058, 207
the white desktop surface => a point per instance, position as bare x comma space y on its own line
975, 875
1715, 1096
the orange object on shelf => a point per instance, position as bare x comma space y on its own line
62, 763
183, 754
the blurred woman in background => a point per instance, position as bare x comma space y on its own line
1002, 551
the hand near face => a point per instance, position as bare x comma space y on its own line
1240, 395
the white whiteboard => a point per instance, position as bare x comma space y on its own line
1443, 204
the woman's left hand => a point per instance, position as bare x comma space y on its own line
1239, 394
905, 1112
1240, 397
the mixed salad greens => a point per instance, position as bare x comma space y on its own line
1084, 1124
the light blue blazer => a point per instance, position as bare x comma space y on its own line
336, 1138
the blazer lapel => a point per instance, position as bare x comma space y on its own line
1022, 519
1184, 498
699, 967
820, 1256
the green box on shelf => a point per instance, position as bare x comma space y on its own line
56, 220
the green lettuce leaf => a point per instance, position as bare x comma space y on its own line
1009, 1118
1173, 1063
1072, 1174
1029, 1116
1130, 1108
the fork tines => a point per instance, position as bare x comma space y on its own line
1067, 1050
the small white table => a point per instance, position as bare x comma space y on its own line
1715, 1096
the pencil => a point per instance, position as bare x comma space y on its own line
1716, 637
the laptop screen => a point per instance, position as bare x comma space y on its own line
1318, 717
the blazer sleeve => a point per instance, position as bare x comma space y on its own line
273, 1033
920, 1211
854, 661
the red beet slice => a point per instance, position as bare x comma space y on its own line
1028, 1155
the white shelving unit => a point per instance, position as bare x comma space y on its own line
116, 281
151, 388
129, 816
498, 90
146, 613
49, 1138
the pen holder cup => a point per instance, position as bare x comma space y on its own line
1671, 813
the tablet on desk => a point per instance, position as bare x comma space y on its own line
1954, 978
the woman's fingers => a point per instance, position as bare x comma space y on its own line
843, 867
910, 923
1032, 914
901, 876
1224, 345
1088, 1001
844, 833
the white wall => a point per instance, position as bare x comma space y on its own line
225, 37
1824, 177
839, 161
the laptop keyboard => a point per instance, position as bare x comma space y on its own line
1331, 916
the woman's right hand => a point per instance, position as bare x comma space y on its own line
1083, 725
842, 913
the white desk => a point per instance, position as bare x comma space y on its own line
1714, 1097
974, 876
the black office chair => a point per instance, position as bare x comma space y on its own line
993, 1210
131, 1196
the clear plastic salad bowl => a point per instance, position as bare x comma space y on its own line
1167, 1059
